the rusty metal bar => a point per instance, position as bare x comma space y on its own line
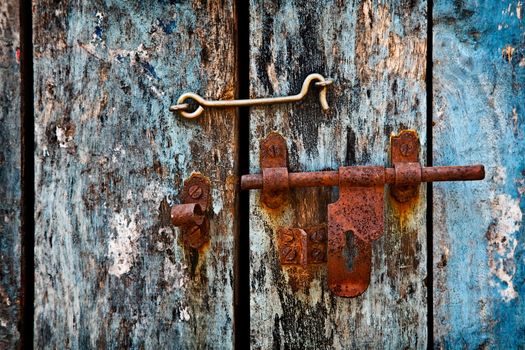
453, 173
187, 214
331, 178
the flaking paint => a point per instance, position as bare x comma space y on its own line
478, 108
10, 176
111, 158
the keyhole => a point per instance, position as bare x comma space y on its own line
350, 251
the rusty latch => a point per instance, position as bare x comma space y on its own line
358, 213
182, 107
190, 216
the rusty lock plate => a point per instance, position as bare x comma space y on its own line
355, 220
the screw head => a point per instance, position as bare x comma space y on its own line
288, 236
195, 192
289, 253
193, 237
318, 236
405, 149
273, 151
317, 254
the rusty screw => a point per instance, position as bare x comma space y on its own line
405, 149
273, 151
317, 255
318, 236
194, 237
288, 236
195, 192
289, 253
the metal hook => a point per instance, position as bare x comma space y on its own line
322, 83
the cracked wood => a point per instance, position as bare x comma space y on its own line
10, 176
376, 53
110, 161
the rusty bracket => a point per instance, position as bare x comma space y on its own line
404, 155
274, 164
302, 246
190, 216
355, 220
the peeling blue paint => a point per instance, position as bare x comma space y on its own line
110, 271
168, 27
150, 70
479, 82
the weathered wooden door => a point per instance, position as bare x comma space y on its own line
92, 159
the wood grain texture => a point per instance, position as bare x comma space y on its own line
10, 172
479, 94
110, 160
376, 53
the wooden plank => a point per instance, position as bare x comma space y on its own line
10, 172
376, 53
479, 89
110, 160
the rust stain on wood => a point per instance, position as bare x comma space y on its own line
405, 213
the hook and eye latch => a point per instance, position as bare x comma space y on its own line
320, 82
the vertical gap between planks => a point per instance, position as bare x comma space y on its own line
27, 145
430, 190
242, 269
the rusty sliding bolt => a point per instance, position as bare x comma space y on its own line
415, 174
356, 219
190, 216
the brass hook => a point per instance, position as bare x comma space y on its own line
322, 83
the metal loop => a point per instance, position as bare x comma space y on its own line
321, 83
179, 107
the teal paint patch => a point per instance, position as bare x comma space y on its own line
168, 27
479, 85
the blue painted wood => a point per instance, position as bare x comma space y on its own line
479, 251
110, 160
376, 53
10, 168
